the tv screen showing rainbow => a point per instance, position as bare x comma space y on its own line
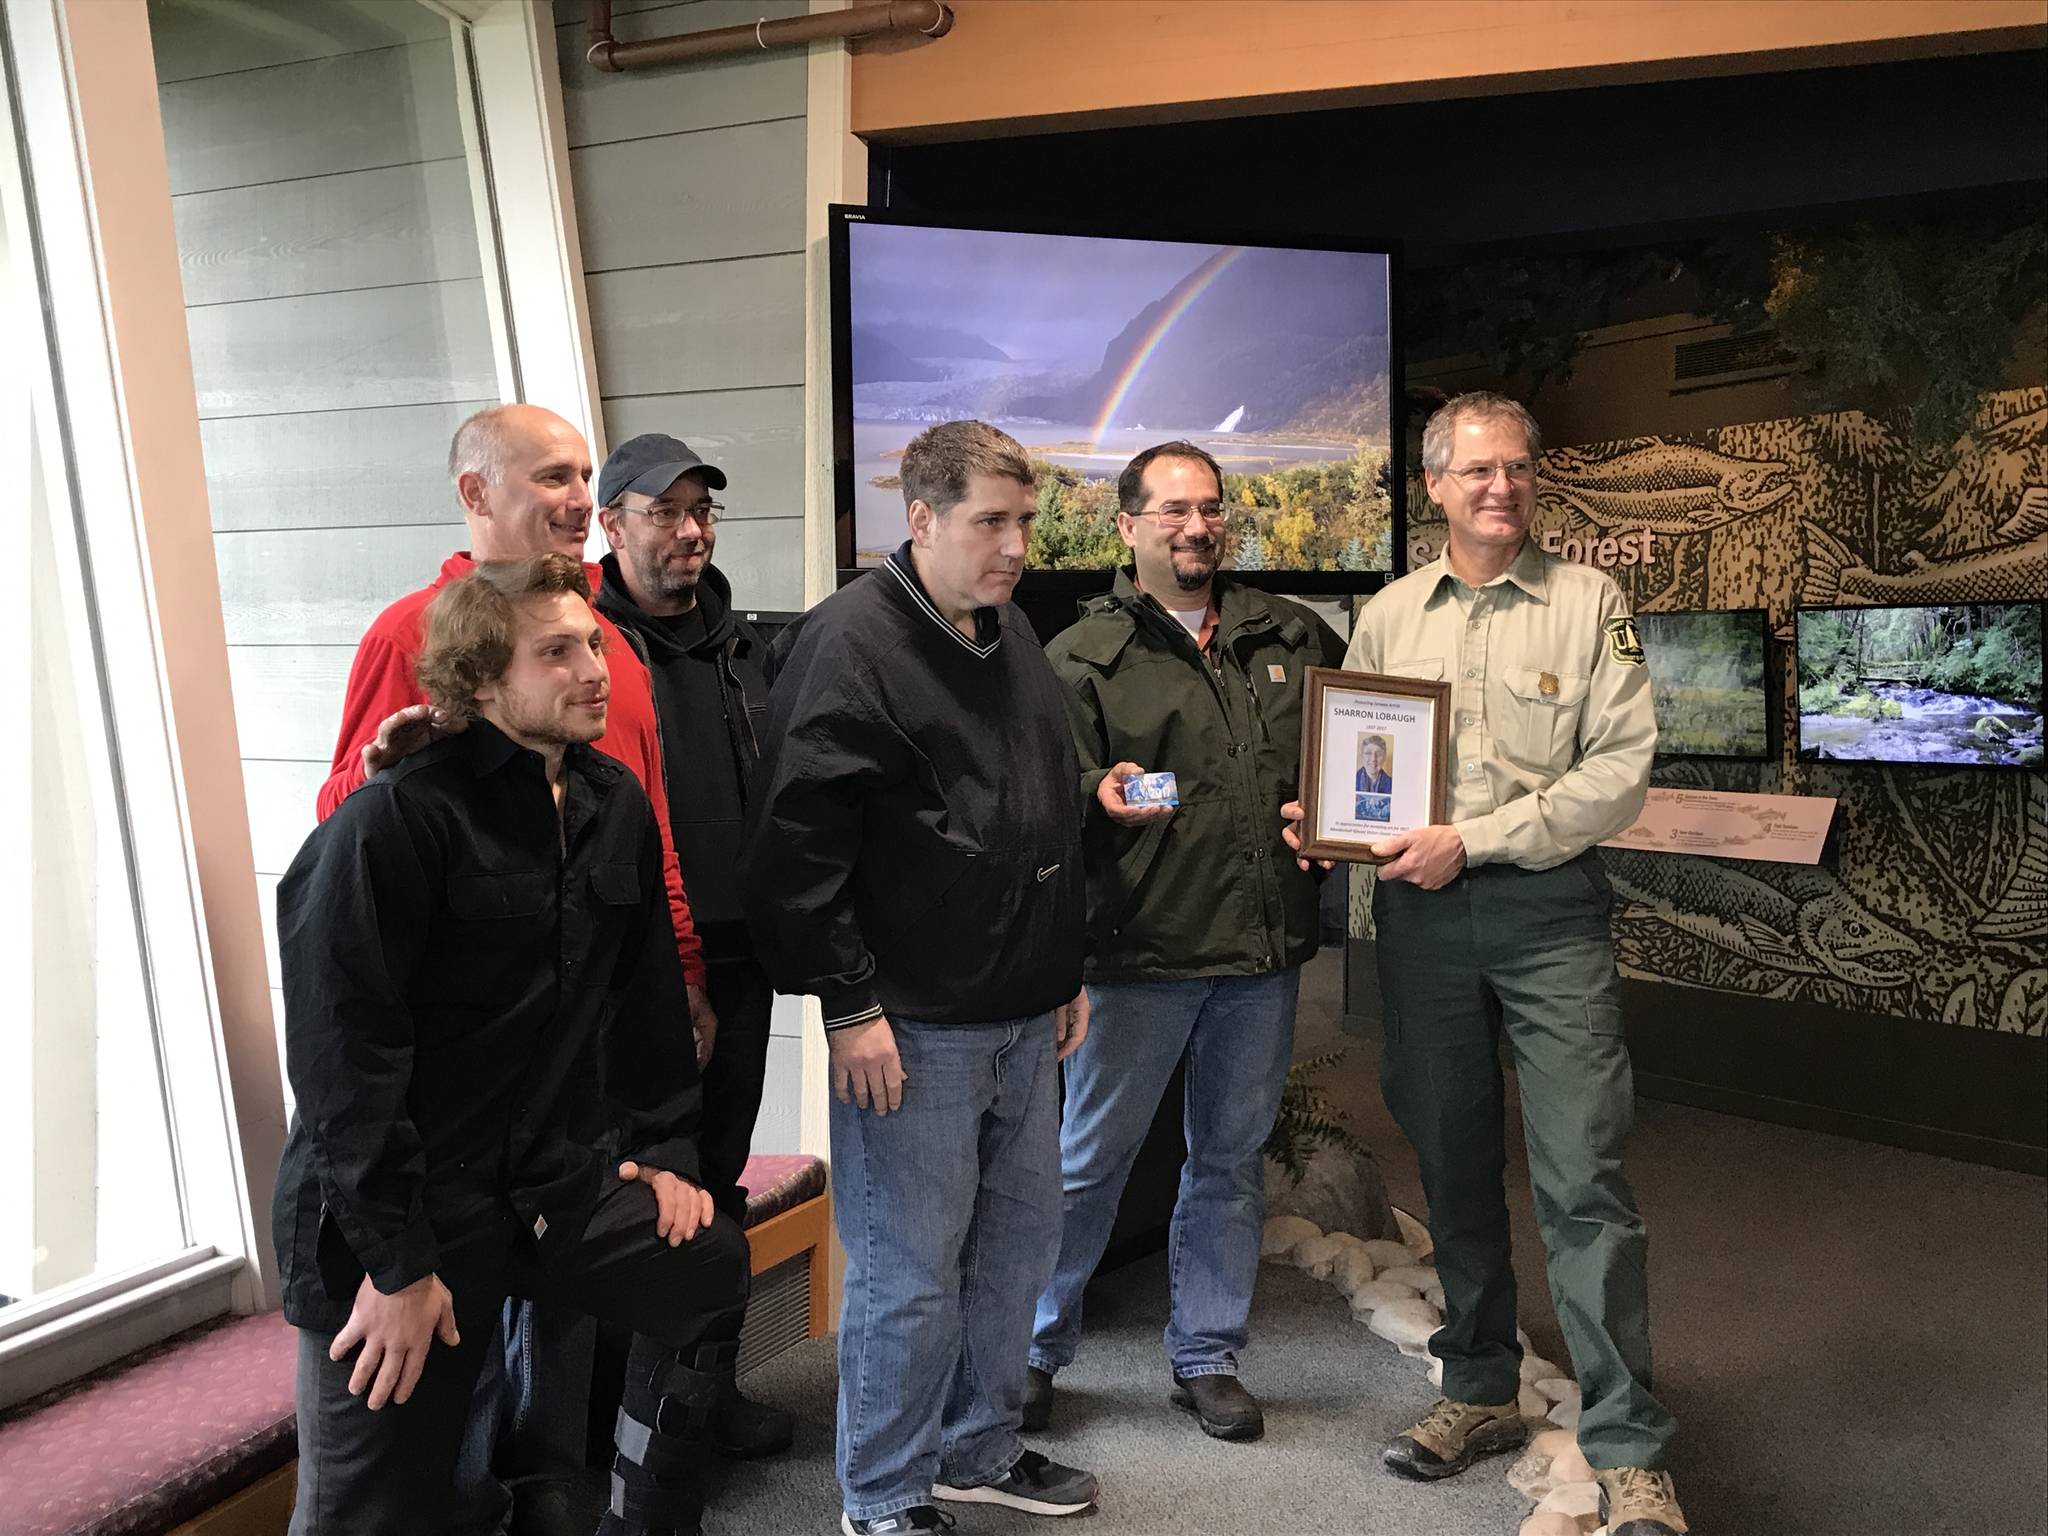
1087, 350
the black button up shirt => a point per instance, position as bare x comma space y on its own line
483, 1014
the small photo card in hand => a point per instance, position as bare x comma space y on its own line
1151, 789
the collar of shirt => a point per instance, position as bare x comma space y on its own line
490, 751
1526, 572
988, 622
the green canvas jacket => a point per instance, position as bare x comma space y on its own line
1212, 890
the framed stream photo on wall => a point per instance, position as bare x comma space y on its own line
1375, 760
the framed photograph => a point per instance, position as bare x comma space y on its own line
1375, 760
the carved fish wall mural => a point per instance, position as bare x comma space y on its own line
1933, 904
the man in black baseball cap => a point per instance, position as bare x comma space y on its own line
708, 666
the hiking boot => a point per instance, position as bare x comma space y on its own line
743, 1430
1037, 1399
1221, 1405
1035, 1485
1635, 1501
1452, 1435
915, 1521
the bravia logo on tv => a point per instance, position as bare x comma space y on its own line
1636, 546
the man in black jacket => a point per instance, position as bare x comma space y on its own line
710, 694
913, 858
491, 1097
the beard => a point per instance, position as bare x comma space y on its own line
1194, 564
566, 726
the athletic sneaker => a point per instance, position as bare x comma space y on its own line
1035, 1485
914, 1521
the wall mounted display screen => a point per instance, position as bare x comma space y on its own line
1958, 684
1707, 679
1088, 349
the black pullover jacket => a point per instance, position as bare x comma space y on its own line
914, 846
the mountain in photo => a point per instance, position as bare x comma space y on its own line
1291, 337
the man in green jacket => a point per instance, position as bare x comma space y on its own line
1200, 918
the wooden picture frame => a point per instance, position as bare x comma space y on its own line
1375, 760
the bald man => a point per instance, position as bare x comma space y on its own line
522, 475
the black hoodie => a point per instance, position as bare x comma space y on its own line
711, 697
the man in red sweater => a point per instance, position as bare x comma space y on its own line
522, 474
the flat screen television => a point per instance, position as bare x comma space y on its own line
1708, 680
1954, 684
1086, 348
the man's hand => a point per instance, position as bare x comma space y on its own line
703, 1022
1109, 794
1291, 815
1429, 857
1070, 1025
682, 1210
403, 734
396, 1331
865, 1067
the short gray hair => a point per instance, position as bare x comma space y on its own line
939, 461
482, 445
1478, 405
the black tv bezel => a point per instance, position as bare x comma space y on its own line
1773, 736
840, 216
2040, 607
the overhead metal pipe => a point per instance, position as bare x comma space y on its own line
927, 18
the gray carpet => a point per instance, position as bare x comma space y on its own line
1331, 1390
1854, 1338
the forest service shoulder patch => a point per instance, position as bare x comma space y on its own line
1623, 643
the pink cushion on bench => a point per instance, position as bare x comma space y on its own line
778, 1182
154, 1439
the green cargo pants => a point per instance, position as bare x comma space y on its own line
1529, 952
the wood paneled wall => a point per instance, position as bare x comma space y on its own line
689, 185
334, 298
689, 189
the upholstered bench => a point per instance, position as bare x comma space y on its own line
194, 1436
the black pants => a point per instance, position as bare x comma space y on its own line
733, 1079
390, 1473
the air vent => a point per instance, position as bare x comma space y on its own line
1728, 360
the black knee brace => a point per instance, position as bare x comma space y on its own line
663, 1425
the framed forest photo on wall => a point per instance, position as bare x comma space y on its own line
1375, 760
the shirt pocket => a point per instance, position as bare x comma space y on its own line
1429, 668
1542, 725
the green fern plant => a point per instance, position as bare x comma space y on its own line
1307, 1119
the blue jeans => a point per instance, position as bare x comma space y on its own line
949, 1212
528, 1417
1237, 1033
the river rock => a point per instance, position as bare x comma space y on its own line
1406, 1325
1316, 1255
1340, 1191
1385, 1253
1284, 1234
1549, 1522
1522, 1338
1374, 1294
1535, 1368
1354, 1267
1559, 1389
1414, 1234
1575, 1501
1421, 1276
1565, 1415
1551, 1460
1434, 1295
1534, 1404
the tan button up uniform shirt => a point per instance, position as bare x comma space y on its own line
1551, 726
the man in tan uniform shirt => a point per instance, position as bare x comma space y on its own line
1497, 921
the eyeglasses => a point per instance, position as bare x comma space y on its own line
667, 514
1479, 476
1176, 514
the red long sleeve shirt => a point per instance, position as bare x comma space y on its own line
381, 682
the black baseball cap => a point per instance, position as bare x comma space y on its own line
649, 464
